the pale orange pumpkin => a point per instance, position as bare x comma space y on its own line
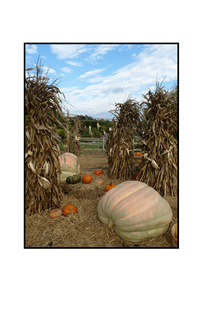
99, 181
55, 213
69, 208
135, 211
69, 166
87, 178
97, 172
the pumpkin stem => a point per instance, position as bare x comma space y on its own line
111, 223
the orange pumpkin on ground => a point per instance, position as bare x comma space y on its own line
99, 181
55, 213
69, 208
87, 178
137, 153
135, 211
109, 186
97, 172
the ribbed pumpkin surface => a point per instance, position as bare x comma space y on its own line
73, 179
136, 210
69, 165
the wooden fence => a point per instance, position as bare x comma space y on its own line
100, 141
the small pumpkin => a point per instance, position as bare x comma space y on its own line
73, 179
69, 208
55, 213
140, 154
99, 181
97, 172
87, 178
109, 186
137, 153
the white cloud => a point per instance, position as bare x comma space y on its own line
101, 50
64, 90
31, 48
125, 47
65, 51
49, 70
77, 64
66, 70
134, 79
90, 73
98, 78
62, 74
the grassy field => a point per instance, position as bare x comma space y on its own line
93, 146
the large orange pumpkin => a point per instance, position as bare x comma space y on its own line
69, 208
69, 166
135, 211
87, 178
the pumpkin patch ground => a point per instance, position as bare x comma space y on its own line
84, 228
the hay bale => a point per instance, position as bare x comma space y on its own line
84, 230
84, 191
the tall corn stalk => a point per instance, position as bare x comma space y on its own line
76, 134
42, 102
159, 165
119, 146
73, 134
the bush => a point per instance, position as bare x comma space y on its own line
62, 134
86, 132
96, 133
104, 128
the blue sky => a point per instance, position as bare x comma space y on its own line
94, 77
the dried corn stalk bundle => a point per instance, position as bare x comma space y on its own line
119, 146
159, 165
68, 139
73, 126
76, 136
42, 103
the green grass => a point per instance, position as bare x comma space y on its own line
94, 146
61, 145
84, 147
